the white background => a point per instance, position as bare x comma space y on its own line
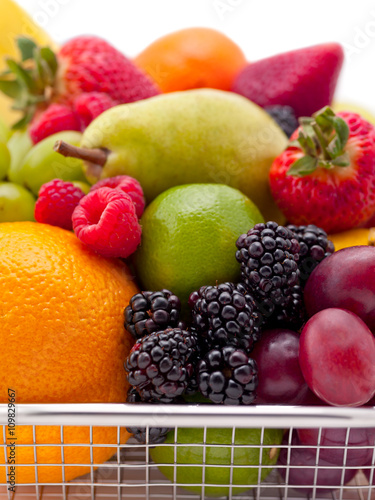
261, 28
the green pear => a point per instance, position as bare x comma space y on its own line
195, 136
19, 145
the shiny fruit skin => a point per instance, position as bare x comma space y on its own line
360, 444
218, 479
337, 352
345, 279
192, 58
188, 238
16, 203
4, 160
302, 468
280, 377
18, 145
42, 163
62, 306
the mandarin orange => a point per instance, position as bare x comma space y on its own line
192, 58
62, 340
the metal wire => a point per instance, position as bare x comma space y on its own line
131, 474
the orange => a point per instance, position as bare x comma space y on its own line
62, 339
353, 237
192, 58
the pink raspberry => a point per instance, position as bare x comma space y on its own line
89, 105
56, 202
105, 220
127, 184
55, 118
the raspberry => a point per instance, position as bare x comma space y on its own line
228, 375
268, 255
224, 314
105, 220
89, 105
127, 184
56, 118
56, 202
285, 117
149, 312
161, 364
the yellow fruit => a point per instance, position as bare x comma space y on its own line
62, 339
352, 238
189, 237
346, 106
14, 21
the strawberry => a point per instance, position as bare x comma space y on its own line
326, 176
304, 79
84, 65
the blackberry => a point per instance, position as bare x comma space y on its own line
160, 365
227, 375
223, 314
156, 435
285, 117
149, 312
268, 255
315, 246
293, 314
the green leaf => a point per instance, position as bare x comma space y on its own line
11, 88
303, 166
28, 116
49, 56
26, 47
22, 75
342, 130
342, 161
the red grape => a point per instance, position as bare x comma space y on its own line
280, 377
303, 479
345, 279
360, 444
336, 355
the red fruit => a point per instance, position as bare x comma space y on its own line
105, 220
90, 105
56, 118
304, 79
56, 202
85, 64
127, 184
336, 356
326, 176
345, 279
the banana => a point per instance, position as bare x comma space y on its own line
14, 21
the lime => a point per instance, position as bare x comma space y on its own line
189, 236
247, 455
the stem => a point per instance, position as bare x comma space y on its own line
96, 155
321, 139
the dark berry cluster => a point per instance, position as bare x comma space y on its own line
228, 375
159, 365
285, 117
224, 314
150, 312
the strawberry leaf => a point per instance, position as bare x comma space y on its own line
303, 166
342, 161
11, 88
26, 46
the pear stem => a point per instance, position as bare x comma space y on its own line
95, 155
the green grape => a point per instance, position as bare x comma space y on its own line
82, 185
16, 203
4, 160
19, 145
42, 163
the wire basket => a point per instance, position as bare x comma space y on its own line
132, 474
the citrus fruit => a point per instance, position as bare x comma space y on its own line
247, 455
352, 238
189, 236
192, 58
62, 340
